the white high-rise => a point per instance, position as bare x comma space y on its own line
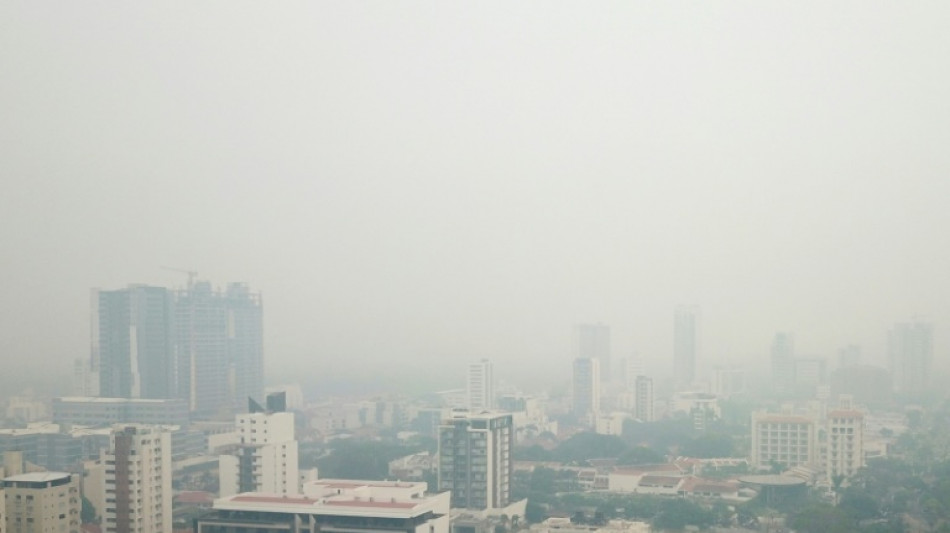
481, 393
475, 460
138, 480
643, 406
266, 458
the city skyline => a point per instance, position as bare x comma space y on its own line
415, 189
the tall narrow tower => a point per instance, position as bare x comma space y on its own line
910, 354
481, 393
138, 480
592, 341
685, 345
586, 389
475, 460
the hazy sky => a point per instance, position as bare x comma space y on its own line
415, 185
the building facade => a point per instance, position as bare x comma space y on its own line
138, 480
42, 502
592, 341
219, 348
643, 403
92, 411
845, 452
784, 440
265, 460
783, 362
479, 387
332, 505
910, 355
685, 345
133, 346
585, 390
475, 460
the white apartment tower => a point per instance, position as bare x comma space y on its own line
41, 502
265, 459
138, 480
643, 406
586, 388
788, 440
475, 460
845, 453
481, 392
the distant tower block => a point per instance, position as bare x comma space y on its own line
592, 341
685, 345
480, 389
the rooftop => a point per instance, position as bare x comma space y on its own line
38, 477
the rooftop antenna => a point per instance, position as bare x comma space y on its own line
192, 275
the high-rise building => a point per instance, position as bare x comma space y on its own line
42, 502
475, 461
592, 341
685, 345
133, 347
643, 406
845, 454
782, 439
138, 480
783, 362
481, 394
219, 347
265, 460
910, 354
586, 389
849, 356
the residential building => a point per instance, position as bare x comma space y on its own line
138, 480
910, 353
265, 460
219, 337
845, 444
481, 393
42, 502
133, 347
685, 345
586, 389
333, 505
475, 461
783, 362
643, 404
592, 341
783, 439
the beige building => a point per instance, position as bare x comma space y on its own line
787, 440
42, 502
138, 477
845, 454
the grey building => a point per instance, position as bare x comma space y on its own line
133, 347
475, 460
685, 345
592, 341
220, 353
92, 411
910, 355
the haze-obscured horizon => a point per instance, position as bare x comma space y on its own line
415, 186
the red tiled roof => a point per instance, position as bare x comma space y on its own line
195, 496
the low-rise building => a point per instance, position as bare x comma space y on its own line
42, 502
333, 505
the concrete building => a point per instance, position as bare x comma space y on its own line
685, 345
586, 389
43, 444
783, 362
643, 406
910, 355
42, 502
138, 480
91, 411
845, 444
332, 505
133, 346
592, 341
220, 354
475, 461
479, 386
728, 381
266, 460
783, 439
